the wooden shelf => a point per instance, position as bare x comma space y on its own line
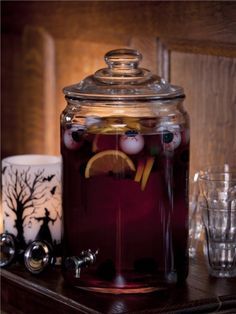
47, 293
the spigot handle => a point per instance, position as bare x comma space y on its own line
76, 263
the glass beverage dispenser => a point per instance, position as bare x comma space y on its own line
125, 149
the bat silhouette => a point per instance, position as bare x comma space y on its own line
53, 190
4, 169
49, 178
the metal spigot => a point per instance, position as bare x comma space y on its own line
38, 256
85, 259
8, 249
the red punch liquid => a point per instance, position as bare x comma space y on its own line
132, 206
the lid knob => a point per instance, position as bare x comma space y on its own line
123, 78
123, 59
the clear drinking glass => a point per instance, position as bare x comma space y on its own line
218, 188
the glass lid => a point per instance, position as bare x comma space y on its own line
122, 79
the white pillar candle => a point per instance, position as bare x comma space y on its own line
31, 197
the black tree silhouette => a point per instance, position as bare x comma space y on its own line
24, 193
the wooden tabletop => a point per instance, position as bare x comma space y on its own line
47, 293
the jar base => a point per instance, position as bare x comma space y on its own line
140, 290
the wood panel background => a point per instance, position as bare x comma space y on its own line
210, 89
48, 45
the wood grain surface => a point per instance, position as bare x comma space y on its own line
47, 293
104, 21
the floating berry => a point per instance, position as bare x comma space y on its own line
131, 142
73, 137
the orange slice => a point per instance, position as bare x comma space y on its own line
147, 171
139, 171
108, 160
95, 143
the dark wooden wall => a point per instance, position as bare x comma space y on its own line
47, 45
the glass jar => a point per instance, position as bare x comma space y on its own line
125, 149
